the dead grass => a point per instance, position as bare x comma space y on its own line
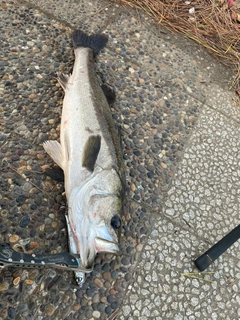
213, 24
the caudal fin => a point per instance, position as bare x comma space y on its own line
95, 42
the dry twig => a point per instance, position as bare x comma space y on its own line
211, 25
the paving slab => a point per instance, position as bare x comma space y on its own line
205, 189
201, 206
171, 96
166, 285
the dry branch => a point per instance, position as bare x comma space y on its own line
213, 24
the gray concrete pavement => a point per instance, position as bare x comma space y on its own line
180, 126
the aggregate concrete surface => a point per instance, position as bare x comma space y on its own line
181, 138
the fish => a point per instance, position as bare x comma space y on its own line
90, 155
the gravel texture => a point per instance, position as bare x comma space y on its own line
178, 127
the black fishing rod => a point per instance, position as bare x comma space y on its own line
217, 249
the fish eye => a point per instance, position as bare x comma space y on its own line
116, 222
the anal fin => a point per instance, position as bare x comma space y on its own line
62, 79
54, 149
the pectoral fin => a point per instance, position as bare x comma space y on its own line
54, 149
91, 151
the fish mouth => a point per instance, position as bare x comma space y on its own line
88, 253
103, 245
90, 246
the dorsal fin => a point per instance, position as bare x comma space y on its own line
109, 93
91, 151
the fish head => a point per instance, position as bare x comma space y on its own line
95, 216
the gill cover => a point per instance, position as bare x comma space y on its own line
94, 209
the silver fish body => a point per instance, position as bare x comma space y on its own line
90, 155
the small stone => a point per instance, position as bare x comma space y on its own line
95, 298
4, 213
17, 247
128, 276
112, 292
40, 156
125, 261
141, 169
108, 310
98, 282
50, 310
3, 137
107, 276
154, 233
76, 306
96, 314
28, 281
110, 299
90, 292
3, 314
23, 307
25, 222
45, 166
4, 63
188, 89
33, 206
33, 274
65, 299
163, 165
132, 187
51, 121
105, 267
13, 238
34, 245
114, 274
103, 299
101, 307
16, 281
32, 96
33, 153
139, 247
74, 297
20, 152
54, 224
17, 273
27, 186
4, 286
11, 313
114, 304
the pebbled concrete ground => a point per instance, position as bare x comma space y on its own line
180, 128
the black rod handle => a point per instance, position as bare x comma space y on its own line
217, 249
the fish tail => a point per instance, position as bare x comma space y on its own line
95, 42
